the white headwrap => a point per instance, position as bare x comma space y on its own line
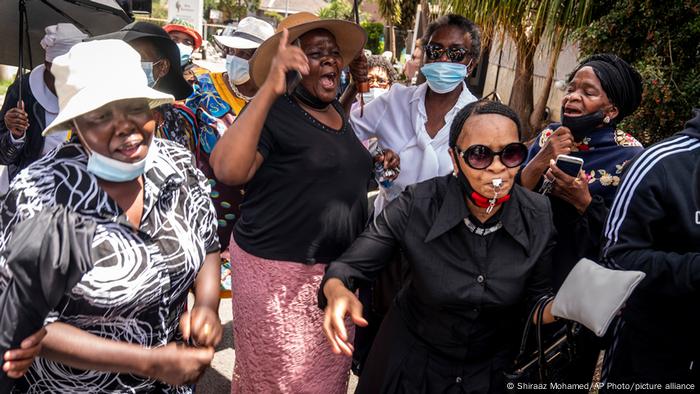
59, 39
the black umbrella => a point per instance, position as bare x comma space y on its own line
93, 17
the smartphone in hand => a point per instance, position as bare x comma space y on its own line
293, 77
570, 165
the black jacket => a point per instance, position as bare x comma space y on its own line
654, 227
17, 159
466, 290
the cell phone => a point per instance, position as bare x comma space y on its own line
570, 165
293, 77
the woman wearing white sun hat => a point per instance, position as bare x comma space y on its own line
117, 331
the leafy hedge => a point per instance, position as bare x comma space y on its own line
375, 36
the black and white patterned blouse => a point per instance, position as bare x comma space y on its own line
138, 288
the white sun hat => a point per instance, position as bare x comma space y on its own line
251, 32
96, 73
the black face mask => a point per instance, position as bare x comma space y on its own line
582, 125
303, 95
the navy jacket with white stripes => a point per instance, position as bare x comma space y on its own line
654, 227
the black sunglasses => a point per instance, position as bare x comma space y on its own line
434, 52
480, 157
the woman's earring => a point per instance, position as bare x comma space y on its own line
606, 120
454, 174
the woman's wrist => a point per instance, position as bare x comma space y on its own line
584, 203
331, 287
147, 362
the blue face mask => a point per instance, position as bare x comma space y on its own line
238, 70
113, 170
185, 53
444, 77
148, 70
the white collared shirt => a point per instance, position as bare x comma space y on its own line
397, 118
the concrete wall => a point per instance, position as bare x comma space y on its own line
566, 62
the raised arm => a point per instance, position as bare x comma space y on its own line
235, 158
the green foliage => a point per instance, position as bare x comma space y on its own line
408, 14
234, 9
159, 9
276, 15
336, 9
663, 43
527, 22
390, 10
375, 36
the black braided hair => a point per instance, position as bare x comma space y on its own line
461, 22
481, 107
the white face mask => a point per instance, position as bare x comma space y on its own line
373, 94
238, 70
113, 170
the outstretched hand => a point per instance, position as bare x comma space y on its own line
341, 302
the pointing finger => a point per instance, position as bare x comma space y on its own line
283, 40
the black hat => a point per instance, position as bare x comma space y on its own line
173, 82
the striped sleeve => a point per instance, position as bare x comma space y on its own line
640, 204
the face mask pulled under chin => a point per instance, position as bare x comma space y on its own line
582, 125
238, 70
113, 170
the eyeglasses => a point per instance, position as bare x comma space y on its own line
480, 157
372, 79
455, 54
238, 52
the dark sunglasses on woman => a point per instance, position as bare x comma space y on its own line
480, 157
455, 54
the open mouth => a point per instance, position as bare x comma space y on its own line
131, 149
328, 80
571, 111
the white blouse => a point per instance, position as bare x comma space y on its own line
397, 118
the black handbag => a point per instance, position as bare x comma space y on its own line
550, 362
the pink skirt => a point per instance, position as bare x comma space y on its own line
278, 329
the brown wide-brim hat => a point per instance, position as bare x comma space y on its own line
350, 37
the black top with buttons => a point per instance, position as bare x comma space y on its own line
466, 290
